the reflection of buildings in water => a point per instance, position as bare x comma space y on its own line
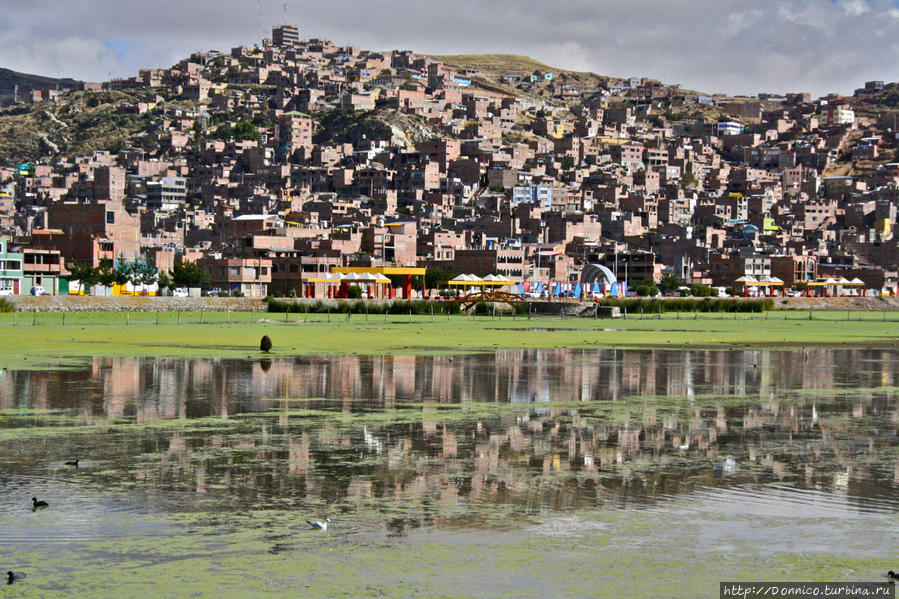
506, 453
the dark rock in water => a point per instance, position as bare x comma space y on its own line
265, 344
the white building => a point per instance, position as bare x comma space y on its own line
541, 194
837, 115
730, 128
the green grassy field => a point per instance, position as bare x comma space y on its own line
26, 338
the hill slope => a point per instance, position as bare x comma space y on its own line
79, 123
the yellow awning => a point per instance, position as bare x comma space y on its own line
382, 270
480, 283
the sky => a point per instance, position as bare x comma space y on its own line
726, 46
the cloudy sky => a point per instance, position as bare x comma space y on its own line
731, 46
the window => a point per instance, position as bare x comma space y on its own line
110, 217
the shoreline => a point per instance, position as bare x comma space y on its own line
87, 303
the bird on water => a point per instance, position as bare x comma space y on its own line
319, 525
35, 504
893, 576
13, 576
72, 463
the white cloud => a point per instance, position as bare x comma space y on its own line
854, 8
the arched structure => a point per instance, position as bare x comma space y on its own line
597, 272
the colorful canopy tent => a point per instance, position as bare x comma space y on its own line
765, 281
465, 280
835, 284
406, 272
829, 284
344, 280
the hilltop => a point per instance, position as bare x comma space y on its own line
515, 63
10, 79
491, 69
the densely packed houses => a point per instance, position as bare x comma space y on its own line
270, 165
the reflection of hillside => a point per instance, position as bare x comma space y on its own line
735, 417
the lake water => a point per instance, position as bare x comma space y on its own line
521, 472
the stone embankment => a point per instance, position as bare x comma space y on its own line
836, 303
83, 303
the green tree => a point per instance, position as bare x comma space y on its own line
435, 276
140, 273
106, 274
690, 179
244, 130
223, 132
567, 163
263, 118
84, 273
163, 280
670, 283
701, 291
647, 288
148, 274
189, 274
199, 135
122, 272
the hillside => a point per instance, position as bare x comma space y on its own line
401, 129
79, 123
27, 82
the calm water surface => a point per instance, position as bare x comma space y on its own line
566, 472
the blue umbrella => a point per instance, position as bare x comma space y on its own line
577, 290
596, 287
558, 289
539, 288
614, 292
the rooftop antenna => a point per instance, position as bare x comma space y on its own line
285, 12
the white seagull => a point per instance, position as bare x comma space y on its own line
319, 525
